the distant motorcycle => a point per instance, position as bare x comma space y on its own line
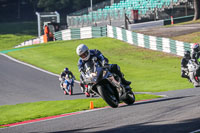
67, 85
106, 84
192, 67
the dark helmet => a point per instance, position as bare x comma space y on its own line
196, 47
187, 54
66, 69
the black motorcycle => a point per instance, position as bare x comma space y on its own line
106, 84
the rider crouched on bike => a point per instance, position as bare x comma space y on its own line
196, 57
86, 55
63, 74
184, 62
69, 81
196, 52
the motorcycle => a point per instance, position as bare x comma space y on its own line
192, 68
106, 84
67, 85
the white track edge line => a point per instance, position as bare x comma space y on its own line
197, 131
37, 68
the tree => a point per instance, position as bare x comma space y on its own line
196, 9
34, 4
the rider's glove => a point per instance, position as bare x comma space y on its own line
105, 63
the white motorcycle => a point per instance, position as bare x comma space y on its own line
192, 67
67, 85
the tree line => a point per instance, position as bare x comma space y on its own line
12, 10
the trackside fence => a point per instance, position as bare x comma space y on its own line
31, 42
81, 33
150, 42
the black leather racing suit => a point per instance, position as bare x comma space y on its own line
184, 67
113, 68
196, 56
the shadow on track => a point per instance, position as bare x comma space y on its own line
157, 100
150, 127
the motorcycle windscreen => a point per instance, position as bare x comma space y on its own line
89, 66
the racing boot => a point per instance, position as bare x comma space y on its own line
116, 69
87, 94
125, 82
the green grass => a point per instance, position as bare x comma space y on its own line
191, 38
29, 111
150, 71
8, 41
183, 23
12, 34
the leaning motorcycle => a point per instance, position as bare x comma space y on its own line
192, 68
106, 84
67, 87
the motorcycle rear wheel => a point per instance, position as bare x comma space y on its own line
71, 90
108, 96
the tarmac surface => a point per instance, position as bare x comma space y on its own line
179, 112
169, 32
20, 83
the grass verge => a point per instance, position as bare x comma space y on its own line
191, 38
188, 22
149, 70
8, 41
12, 34
29, 111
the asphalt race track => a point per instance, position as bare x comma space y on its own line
20, 83
179, 112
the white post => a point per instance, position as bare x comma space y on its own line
38, 19
91, 9
91, 5
58, 16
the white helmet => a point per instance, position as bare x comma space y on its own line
83, 51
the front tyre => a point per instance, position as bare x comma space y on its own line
108, 95
194, 80
130, 98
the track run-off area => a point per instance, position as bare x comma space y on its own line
20, 83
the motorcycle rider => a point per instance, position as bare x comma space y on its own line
86, 55
196, 52
68, 81
184, 63
63, 75
196, 57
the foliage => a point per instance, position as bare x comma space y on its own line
196, 9
20, 10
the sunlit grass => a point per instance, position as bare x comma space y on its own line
148, 70
29, 111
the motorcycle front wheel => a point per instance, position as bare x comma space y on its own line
108, 95
130, 98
